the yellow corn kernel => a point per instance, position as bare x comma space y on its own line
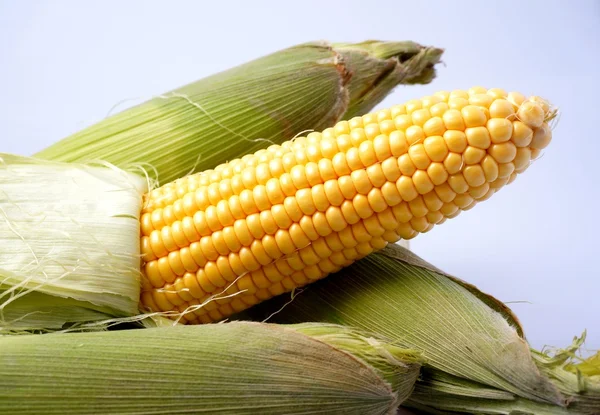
437, 173
522, 159
398, 143
419, 156
438, 109
395, 111
541, 137
429, 101
434, 127
476, 90
445, 193
474, 116
503, 109
490, 168
500, 130
414, 135
422, 182
478, 137
453, 120
456, 141
453, 163
436, 148
402, 122
481, 100
505, 169
458, 103
516, 99
531, 113
406, 165
504, 152
497, 93
474, 175
459, 93
413, 105
420, 117
442, 95
473, 155
432, 201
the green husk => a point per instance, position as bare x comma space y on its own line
438, 392
238, 111
578, 379
410, 304
70, 243
232, 368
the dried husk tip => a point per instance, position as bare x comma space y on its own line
378, 67
577, 378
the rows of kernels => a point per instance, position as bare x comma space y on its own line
299, 211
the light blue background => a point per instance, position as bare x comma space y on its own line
65, 64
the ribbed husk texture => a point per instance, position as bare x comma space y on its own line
238, 111
70, 243
232, 368
577, 379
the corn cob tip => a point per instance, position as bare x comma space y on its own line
291, 214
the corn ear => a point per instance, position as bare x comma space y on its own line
233, 368
70, 248
410, 303
243, 109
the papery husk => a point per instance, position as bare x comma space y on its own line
69, 237
232, 368
438, 392
578, 379
249, 107
459, 330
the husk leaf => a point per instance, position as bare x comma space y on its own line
578, 379
441, 393
238, 111
438, 392
70, 243
417, 308
232, 368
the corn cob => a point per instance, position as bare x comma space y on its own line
288, 215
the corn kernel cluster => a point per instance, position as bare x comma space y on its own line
291, 214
